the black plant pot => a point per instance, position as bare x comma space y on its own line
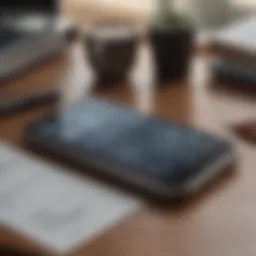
172, 50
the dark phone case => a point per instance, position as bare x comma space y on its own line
109, 136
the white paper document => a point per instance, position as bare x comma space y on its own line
53, 207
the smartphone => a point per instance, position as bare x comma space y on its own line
150, 153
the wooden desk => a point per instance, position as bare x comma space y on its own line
222, 222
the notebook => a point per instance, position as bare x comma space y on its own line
52, 206
237, 42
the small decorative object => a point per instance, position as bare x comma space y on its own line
246, 131
171, 36
111, 48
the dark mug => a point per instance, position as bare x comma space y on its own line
111, 49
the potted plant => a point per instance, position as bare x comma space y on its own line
171, 35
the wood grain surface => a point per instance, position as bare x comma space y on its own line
222, 221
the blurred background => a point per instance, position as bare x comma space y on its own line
206, 13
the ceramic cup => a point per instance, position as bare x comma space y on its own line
111, 48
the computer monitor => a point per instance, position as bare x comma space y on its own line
29, 5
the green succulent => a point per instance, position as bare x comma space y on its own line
167, 18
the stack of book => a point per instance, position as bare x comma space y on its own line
235, 51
